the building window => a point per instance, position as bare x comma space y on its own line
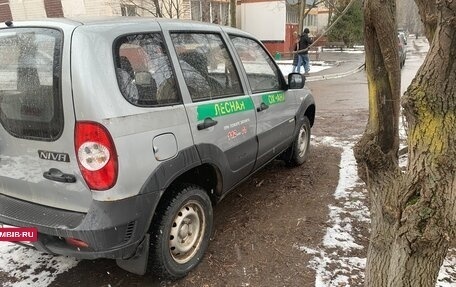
292, 15
128, 10
310, 20
195, 7
219, 12
224, 14
215, 12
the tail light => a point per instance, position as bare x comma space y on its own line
96, 154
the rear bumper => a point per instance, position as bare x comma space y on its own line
112, 229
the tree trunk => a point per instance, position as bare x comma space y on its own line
233, 13
429, 214
302, 7
206, 11
157, 9
376, 152
427, 9
413, 213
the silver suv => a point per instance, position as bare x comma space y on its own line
118, 136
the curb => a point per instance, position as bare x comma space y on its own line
334, 76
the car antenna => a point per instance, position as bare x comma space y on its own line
9, 23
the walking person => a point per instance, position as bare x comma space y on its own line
295, 49
303, 54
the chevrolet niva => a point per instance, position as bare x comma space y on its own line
119, 135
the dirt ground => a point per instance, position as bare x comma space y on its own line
258, 225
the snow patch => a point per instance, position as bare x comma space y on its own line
29, 267
335, 262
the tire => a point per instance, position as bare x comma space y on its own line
180, 232
299, 149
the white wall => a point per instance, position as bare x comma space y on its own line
27, 9
265, 20
74, 8
100, 7
322, 22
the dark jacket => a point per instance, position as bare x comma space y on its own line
304, 42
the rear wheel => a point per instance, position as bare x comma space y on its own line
300, 147
180, 233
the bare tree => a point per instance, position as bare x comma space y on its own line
413, 212
332, 7
206, 8
158, 8
304, 7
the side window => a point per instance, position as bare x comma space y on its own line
208, 69
30, 70
144, 72
262, 73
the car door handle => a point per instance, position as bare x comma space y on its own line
57, 175
262, 107
207, 123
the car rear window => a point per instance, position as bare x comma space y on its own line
30, 100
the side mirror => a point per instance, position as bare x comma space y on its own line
296, 81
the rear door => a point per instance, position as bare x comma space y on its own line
275, 106
37, 162
221, 115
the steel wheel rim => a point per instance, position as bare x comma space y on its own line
187, 232
302, 141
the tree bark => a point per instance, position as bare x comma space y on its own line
427, 10
413, 212
429, 213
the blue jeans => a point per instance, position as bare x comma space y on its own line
303, 60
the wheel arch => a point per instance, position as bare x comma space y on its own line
185, 168
205, 175
310, 114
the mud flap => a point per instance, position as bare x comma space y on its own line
138, 263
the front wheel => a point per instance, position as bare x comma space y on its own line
299, 149
181, 232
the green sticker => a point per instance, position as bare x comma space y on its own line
273, 98
224, 108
